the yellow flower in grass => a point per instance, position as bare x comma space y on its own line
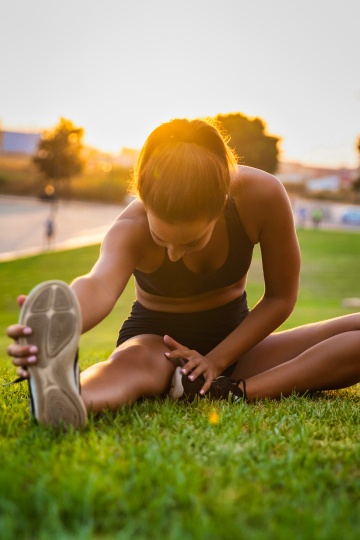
214, 418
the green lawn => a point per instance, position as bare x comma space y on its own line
163, 470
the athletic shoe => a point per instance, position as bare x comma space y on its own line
53, 312
223, 388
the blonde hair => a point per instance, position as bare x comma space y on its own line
183, 171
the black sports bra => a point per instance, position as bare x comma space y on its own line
175, 280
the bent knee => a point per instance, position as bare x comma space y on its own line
146, 351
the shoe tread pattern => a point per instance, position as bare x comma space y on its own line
51, 310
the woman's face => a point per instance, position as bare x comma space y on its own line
182, 238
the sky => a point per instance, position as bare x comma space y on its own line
119, 68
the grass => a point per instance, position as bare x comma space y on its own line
270, 470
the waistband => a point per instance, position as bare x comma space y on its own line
239, 303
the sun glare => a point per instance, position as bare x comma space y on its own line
121, 82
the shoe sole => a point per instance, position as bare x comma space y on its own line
182, 388
53, 312
176, 387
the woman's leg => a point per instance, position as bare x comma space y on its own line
317, 356
136, 368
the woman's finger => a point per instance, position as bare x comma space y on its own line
24, 361
23, 354
170, 342
21, 299
23, 373
206, 386
199, 370
182, 356
192, 364
190, 360
15, 331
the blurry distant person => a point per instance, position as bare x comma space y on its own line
302, 215
49, 231
317, 216
188, 240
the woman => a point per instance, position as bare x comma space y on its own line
188, 240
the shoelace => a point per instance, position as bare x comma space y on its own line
21, 379
224, 385
18, 380
237, 382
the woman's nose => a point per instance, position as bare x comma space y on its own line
175, 253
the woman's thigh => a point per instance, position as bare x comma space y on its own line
283, 346
136, 368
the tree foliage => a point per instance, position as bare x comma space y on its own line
58, 155
356, 184
248, 138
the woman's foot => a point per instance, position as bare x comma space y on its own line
223, 388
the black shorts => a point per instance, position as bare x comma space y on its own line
200, 330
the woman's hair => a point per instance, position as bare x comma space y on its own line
183, 171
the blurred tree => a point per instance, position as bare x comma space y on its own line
250, 142
58, 155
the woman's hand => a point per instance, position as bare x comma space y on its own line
22, 355
195, 363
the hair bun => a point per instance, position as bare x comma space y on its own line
180, 130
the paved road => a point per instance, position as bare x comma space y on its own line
23, 222
23, 225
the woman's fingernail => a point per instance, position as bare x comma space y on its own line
31, 359
183, 371
167, 354
191, 377
33, 349
202, 392
27, 331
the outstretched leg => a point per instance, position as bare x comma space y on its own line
135, 369
319, 356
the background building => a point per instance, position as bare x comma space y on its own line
15, 142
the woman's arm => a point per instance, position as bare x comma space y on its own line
267, 217
120, 253
98, 290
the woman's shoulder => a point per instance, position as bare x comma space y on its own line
260, 197
253, 187
131, 226
133, 216
251, 180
